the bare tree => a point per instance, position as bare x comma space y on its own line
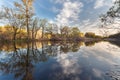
43, 23
36, 26
49, 28
14, 19
26, 9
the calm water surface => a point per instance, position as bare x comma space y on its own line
60, 61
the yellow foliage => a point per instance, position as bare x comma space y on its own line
81, 34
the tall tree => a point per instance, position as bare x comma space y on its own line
43, 23
26, 9
75, 32
52, 28
65, 31
36, 26
49, 28
33, 27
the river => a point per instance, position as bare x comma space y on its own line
60, 61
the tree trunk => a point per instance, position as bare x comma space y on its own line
27, 23
36, 34
42, 32
33, 34
14, 34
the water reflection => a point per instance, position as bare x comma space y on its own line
56, 61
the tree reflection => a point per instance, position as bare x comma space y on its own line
91, 43
19, 64
21, 61
117, 43
71, 47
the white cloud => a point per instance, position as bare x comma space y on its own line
96, 27
86, 22
56, 10
99, 3
69, 13
59, 1
102, 3
1, 3
97, 72
67, 63
4, 2
113, 0
51, 21
91, 26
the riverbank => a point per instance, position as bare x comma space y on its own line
83, 39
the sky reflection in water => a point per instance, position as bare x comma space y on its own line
56, 61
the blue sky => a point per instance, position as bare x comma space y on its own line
82, 13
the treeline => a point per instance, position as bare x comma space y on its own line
50, 32
115, 36
92, 35
7, 33
23, 24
